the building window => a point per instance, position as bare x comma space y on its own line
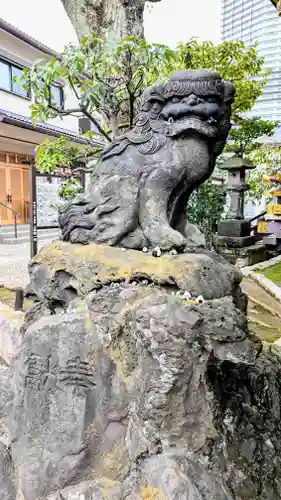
57, 97
9, 71
5, 76
17, 88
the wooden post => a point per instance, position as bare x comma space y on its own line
33, 211
19, 299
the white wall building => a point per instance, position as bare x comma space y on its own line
18, 135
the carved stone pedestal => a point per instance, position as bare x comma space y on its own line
241, 256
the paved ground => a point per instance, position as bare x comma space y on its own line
13, 264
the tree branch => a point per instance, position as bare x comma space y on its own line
65, 112
139, 83
96, 123
73, 88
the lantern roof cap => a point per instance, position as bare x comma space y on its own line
237, 163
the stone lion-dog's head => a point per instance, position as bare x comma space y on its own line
196, 101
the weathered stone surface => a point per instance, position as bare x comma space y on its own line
194, 236
118, 377
7, 473
172, 476
62, 271
6, 401
129, 391
7, 479
92, 490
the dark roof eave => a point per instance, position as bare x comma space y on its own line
12, 30
41, 128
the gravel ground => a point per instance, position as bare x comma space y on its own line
13, 264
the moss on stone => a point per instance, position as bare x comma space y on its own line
119, 355
150, 493
268, 334
7, 296
89, 267
272, 273
112, 264
115, 463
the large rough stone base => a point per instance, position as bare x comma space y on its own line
127, 390
63, 271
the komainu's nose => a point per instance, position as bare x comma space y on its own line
192, 100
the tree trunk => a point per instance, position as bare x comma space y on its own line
111, 19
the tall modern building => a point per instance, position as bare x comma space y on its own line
256, 21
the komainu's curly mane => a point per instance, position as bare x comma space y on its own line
148, 135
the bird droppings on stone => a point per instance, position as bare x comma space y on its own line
269, 444
173, 252
156, 252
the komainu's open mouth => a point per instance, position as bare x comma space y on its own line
197, 123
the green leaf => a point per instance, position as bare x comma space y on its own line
205, 208
51, 155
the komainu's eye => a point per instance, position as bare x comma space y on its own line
213, 99
175, 99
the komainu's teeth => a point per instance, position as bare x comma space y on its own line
171, 120
212, 121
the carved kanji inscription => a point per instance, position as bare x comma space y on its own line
43, 373
77, 374
39, 371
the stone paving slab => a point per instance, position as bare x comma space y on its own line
13, 264
254, 290
266, 284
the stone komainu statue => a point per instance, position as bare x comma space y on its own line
140, 188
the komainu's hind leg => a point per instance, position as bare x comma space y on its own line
107, 215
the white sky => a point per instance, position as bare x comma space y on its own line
46, 20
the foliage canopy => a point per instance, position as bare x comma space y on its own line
107, 81
247, 132
233, 61
205, 208
268, 161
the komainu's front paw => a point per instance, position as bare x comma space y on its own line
168, 239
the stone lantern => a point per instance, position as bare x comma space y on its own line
233, 240
235, 230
